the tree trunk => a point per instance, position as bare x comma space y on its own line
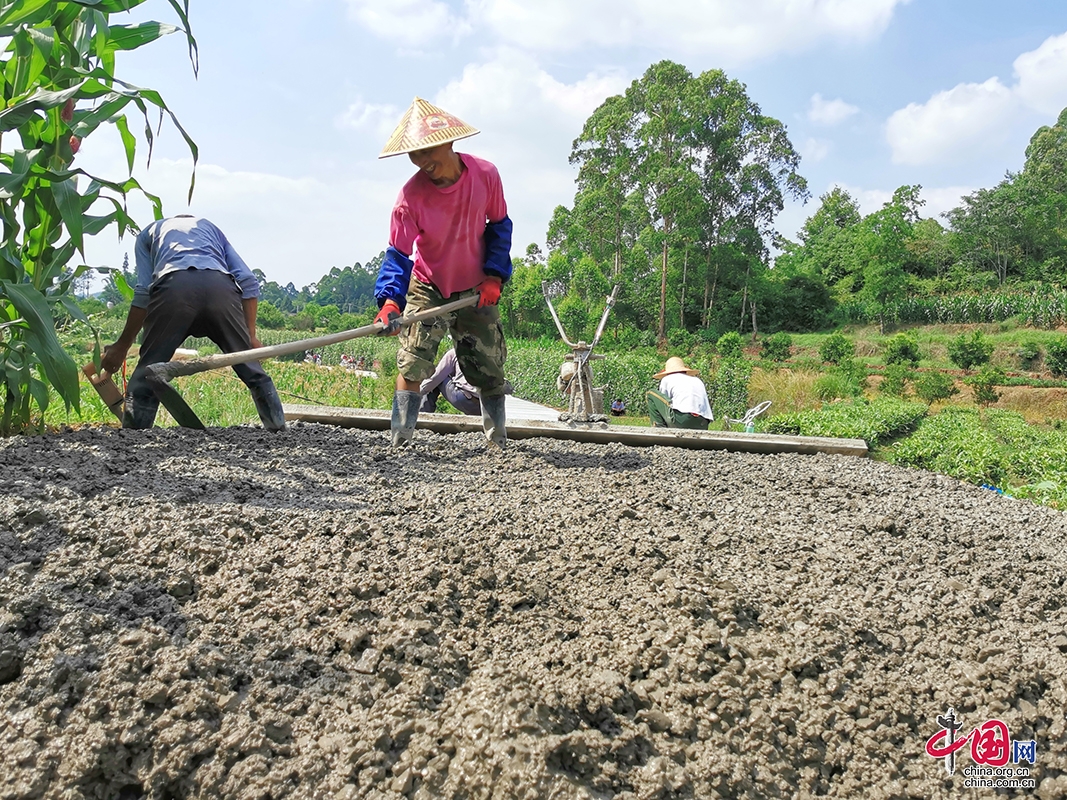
663, 283
685, 270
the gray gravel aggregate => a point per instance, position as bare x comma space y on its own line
235, 614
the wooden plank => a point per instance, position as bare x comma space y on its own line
602, 433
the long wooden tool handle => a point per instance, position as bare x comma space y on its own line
174, 369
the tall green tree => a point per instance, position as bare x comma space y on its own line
59, 84
683, 166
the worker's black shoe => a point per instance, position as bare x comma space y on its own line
493, 420
139, 414
269, 406
405, 415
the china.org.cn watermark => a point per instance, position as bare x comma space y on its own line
998, 759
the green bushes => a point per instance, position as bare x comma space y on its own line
1028, 353
776, 347
1056, 356
930, 387
902, 349
847, 379
992, 447
730, 345
956, 444
728, 388
895, 380
876, 421
837, 348
985, 384
967, 352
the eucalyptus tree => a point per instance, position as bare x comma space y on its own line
987, 225
748, 168
684, 165
59, 85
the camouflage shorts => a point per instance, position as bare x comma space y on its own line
477, 333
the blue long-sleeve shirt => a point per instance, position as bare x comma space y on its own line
178, 243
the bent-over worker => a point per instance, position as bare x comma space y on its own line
190, 282
681, 401
452, 216
448, 380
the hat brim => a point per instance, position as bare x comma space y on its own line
424, 146
667, 372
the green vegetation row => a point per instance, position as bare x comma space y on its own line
992, 447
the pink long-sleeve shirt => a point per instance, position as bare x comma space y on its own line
445, 228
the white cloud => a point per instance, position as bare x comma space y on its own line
972, 118
732, 31
965, 120
940, 200
1042, 75
814, 150
412, 23
829, 112
377, 120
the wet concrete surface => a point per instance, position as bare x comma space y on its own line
235, 614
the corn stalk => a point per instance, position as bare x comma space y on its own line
58, 83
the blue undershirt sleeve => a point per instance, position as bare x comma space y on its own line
498, 249
393, 278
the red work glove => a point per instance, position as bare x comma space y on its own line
389, 317
489, 289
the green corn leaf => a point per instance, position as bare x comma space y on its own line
129, 141
39, 391
130, 37
70, 209
182, 10
124, 288
40, 335
23, 12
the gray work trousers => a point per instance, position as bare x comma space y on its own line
191, 302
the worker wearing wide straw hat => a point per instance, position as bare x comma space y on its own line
681, 401
451, 215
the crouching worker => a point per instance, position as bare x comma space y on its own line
190, 282
448, 380
452, 216
681, 401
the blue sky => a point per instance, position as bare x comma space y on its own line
295, 99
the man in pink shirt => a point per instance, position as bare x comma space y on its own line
449, 236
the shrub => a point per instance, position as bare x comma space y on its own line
776, 346
837, 348
833, 386
268, 316
1056, 356
933, 386
728, 390
902, 349
1028, 353
877, 421
967, 352
985, 383
895, 380
730, 345
680, 340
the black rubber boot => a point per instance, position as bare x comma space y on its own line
493, 420
405, 415
139, 414
269, 406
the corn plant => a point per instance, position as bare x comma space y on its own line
57, 78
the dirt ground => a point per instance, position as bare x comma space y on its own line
234, 614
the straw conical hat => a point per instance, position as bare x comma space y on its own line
425, 125
675, 364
